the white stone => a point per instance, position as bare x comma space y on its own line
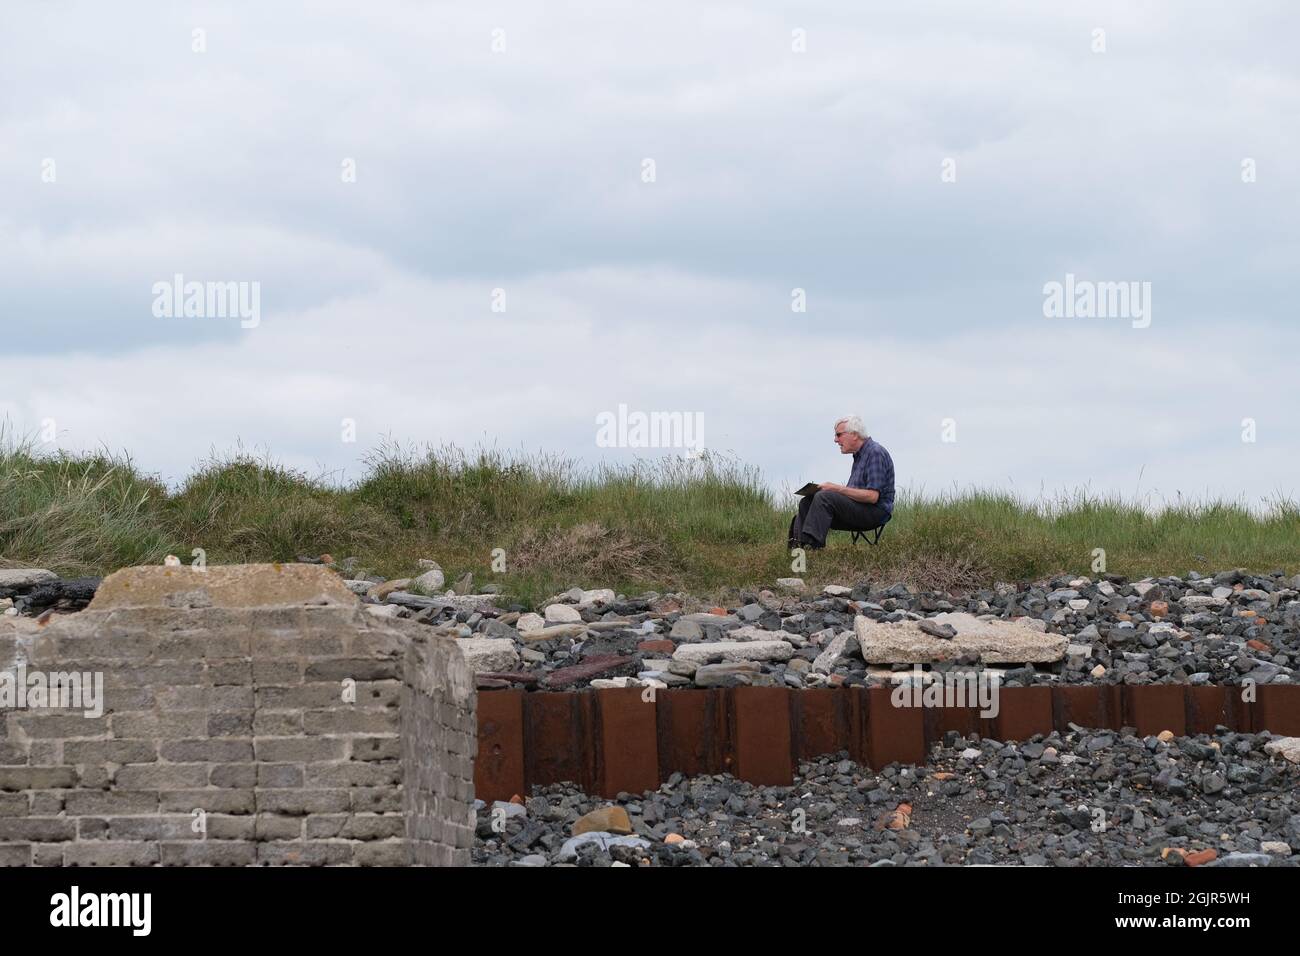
1079, 604
383, 610
734, 651
1276, 847
598, 596
25, 577
429, 582
1080, 583
530, 622
1106, 588
970, 753
1286, 747
553, 632
827, 659
1142, 587
358, 587
569, 850
1098, 671
790, 584
489, 653
612, 683
836, 590
562, 614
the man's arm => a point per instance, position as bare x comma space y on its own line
866, 495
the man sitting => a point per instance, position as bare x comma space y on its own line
864, 504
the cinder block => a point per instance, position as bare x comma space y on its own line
209, 853
215, 751
107, 853
39, 829
210, 801
110, 751
110, 802
304, 853
302, 801
237, 775
161, 776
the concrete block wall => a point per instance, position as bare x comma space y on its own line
228, 737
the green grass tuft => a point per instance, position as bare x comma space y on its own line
704, 525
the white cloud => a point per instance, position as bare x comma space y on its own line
1065, 405
776, 170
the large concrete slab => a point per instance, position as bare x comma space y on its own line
232, 586
996, 642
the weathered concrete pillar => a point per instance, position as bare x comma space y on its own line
249, 714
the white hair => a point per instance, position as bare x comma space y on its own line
853, 424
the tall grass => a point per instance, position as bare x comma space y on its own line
704, 525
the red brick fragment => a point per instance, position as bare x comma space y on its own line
595, 666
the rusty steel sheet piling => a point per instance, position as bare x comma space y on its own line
629, 740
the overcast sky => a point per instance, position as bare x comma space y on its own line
920, 170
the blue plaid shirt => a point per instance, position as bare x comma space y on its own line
874, 469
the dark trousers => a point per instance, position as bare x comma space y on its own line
829, 511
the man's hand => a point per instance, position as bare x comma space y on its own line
830, 486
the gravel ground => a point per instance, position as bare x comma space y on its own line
1230, 628
1079, 799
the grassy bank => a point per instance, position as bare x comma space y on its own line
704, 525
